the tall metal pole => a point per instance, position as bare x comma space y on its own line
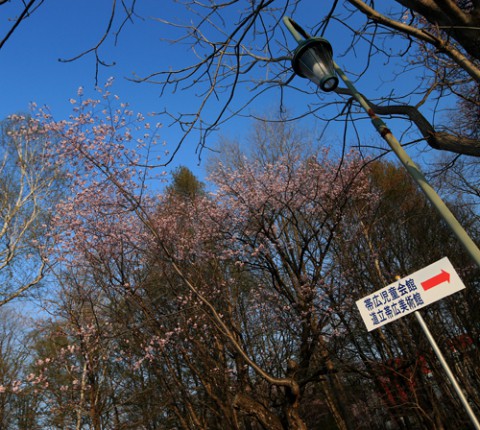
441, 207
414, 171
299, 34
449, 373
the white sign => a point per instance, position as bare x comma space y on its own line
409, 294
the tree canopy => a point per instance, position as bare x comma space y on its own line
230, 303
235, 308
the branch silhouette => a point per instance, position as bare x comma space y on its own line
439, 140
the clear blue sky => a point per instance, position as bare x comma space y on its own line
30, 70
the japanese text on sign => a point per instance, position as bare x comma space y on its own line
409, 294
395, 300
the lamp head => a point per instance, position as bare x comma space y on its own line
312, 59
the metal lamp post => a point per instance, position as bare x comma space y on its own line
313, 59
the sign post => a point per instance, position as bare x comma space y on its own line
408, 295
449, 373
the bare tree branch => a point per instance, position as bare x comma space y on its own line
439, 140
442, 45
18, 21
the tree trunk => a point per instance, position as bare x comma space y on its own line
291, 410
249, 406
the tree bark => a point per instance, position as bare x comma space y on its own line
251, 407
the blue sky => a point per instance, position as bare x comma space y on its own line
30, 70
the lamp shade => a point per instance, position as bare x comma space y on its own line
313, 60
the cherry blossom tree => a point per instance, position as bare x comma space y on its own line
271, 223
233, 308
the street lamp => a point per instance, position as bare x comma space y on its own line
313, 59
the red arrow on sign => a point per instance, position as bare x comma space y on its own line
436, 280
